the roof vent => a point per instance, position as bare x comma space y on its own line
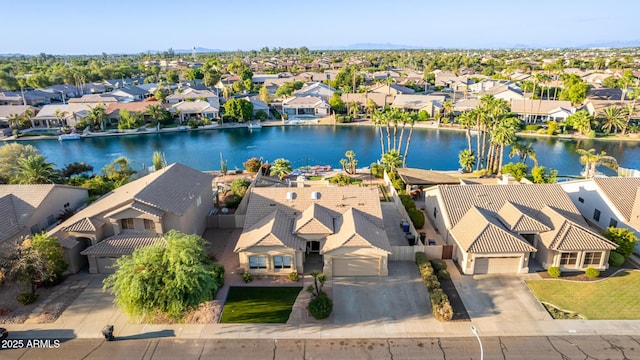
315, 195
290, 195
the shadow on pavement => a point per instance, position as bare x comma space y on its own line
148, 335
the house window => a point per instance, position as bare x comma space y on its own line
149, 224
127, 224
613, 223
596, 215
282, 262
592, 258
435, 212
569, 259
581, 200
257, 262
51, 219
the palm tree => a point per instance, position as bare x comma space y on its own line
14, 120
467, 160
591, 161
280, 168
629, 110
97, 117
411, 119
504, 133
36, 170
467, 120
378, 120
155, 112
581, 121
524, 152
392, 160
612, 117
28, 116
447, 108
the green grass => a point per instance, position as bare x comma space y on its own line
259, 305
314, 178
616, 298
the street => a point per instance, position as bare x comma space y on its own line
551, 347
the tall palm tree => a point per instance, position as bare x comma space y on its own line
61, 116
14, 120
378, 120
392, 160
524, 152
447, 108
581, 121
156, 113
612, 117
503, 134
629, 110
467, 159
411, 119
591, 161
97, 117
467, 119
36, 170
280, 168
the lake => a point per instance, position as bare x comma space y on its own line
435, 149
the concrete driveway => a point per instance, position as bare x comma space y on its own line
399, 297
503, 298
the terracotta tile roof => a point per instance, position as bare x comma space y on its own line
131, 106
514, 218
84, 225
412, 176
354, 230
480, 232
125, 243
623, 194
276, 229
458, 199
569, 236
314, 220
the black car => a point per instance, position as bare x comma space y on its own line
3, 333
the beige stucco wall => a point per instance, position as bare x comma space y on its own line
380, 255
270, 252
54, 203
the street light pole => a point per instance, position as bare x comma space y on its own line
475, 332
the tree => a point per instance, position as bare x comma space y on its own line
517, 170
574, 89
540, 176
264, 95
76, 168
169, 280
524, 152
10, 155
349, 164
129, 120
612, 117
172, 77
97, 117
252, 165
624, 238
280, 168
37, 259
118, 171
591, 161
336, 103
239, 108
467, 160
391, 160
581, 121
160, 94
212, 77
36, 170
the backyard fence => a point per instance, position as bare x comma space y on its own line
408, 253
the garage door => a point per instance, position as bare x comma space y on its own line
105, 265
355, 266
497, 265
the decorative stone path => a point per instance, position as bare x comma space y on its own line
66, 286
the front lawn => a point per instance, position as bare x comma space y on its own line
616, 298
257, 305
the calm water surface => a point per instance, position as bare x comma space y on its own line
312, 145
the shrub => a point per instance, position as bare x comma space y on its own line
194, 123
320, 307
247, 277
377, 170
261, 115
592, 273
431, 282
238, 171
218, 272
252, 165
442, 309
294, 276
239, 187
616, 259
27, 298
229, 118
532, 127
421, 258
624, 238
232, 201
341, 179
425, 270
554, 271
417, 218
438, 264
444, 275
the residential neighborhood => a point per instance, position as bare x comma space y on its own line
452, 191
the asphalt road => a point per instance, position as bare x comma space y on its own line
552, 347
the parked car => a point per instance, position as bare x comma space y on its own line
3, 333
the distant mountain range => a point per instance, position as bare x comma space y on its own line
389, 46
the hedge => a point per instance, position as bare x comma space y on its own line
438, 264
554, 271
616, 259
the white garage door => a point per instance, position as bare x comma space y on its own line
106, 265
355, 266
497, 265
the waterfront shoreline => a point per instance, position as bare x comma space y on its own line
271, 123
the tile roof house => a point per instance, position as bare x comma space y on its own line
113, 109
65, 114
542, 110
338, 229
316, 89
502, 228
305, 106
392, 89
363, 98
29, 209
608, 202
429, 103
198, 108
505, 92
130, 93
136, 215
192, 94
6, 111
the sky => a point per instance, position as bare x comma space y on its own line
131, 26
